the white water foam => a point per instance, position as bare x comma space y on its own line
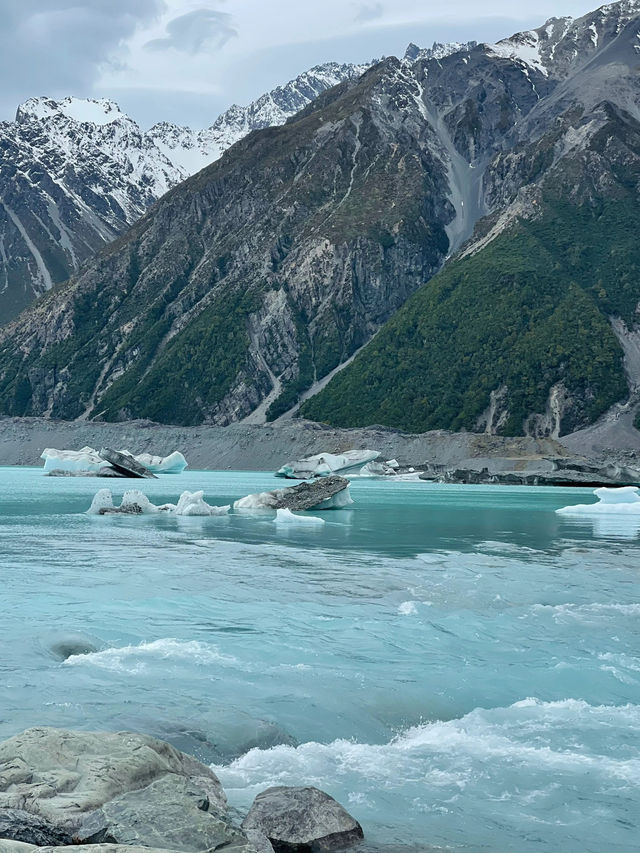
522, 739
588, 612
134, 659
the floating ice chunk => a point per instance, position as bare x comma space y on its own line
259, 501
393, 463
285, 516
323, 493
174, 463
407, 608
338, 501
101, 500
325, 464
86, 459
193, 503
622, 501
134, 498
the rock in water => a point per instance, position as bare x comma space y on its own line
62, 775
301, 820
318, 494
172, 812
19, 825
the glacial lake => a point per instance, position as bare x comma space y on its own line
458, 665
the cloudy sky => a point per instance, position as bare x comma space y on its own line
187, 60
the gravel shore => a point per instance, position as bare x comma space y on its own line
246, 447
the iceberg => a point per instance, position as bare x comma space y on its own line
193, 503
89, 460
325, 464
86, 459
285, 516
327, 493
134, 502
174, 463
621, 501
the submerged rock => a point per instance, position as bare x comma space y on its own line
20, 825
324, 493
300, 820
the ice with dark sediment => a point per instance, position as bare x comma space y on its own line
88, 460
134, 502
325, 464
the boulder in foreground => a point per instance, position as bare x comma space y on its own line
19, 825
301, 820
63, 775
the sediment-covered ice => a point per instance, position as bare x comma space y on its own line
135, 502
285, 516
262, 501
88, 459
325, 464
620, 501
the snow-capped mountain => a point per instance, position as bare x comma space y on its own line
76, 173
508, 173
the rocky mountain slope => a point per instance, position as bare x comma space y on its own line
532, 328
513, 165
76, 173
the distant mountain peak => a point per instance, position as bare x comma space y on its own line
438, 50
98, 111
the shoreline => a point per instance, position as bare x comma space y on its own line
607, 453
247, 447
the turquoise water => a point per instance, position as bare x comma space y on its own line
458, 665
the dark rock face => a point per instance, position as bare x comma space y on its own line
19, 825
301, 820
172, 813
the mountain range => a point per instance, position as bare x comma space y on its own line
76, 173
442, 241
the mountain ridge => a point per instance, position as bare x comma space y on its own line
265, 272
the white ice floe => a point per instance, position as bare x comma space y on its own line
135, 502
174, 463
325, 464
621, 501
138, 501
87, 459
285, 516
193, 503
101, 500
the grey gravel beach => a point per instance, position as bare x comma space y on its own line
246, 447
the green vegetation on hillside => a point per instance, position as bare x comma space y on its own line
194, 370
527, 311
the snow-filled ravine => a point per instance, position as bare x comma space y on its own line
458, 665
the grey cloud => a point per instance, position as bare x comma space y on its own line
369, 12
195, 31
56, 48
